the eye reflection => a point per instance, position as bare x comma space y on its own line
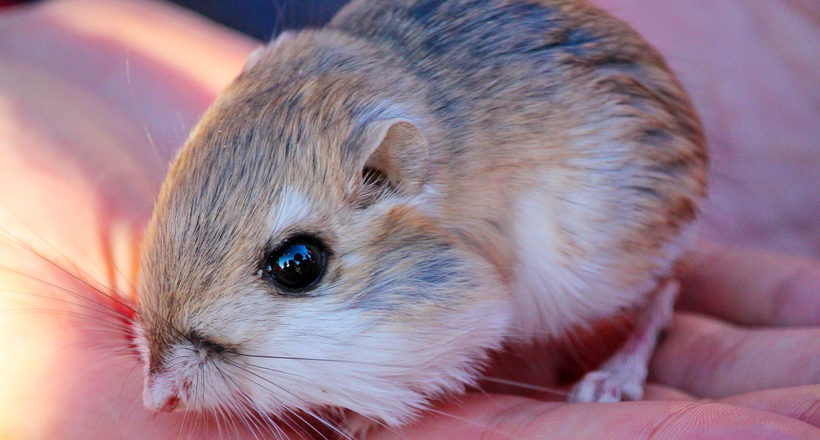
297, 264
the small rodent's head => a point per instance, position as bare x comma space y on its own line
289, 263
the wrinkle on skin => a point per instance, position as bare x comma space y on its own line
509, 417
801, 403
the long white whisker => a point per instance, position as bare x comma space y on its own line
154, 148
11, 237
472, 422
525, 385
88, 307
117, 297
238, 411
250, 402
320, 419
297, 358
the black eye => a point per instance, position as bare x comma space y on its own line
297, 264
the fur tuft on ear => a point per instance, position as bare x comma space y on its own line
398, 149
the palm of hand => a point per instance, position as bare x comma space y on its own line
746, 337
727, 368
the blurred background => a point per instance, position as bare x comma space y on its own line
260, 19
263, 19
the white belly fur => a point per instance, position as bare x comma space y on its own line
556, 288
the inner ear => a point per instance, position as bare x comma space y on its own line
398, 150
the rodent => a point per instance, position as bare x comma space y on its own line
372, 207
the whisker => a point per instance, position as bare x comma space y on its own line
320, 419
88, 307
56, 251
272, 369
183, 425
250, 402
196, 384
297, 358
127, 375
242, 413
86, 314
238, 411
292, 374
471, 422
242, 391
523, 385
214, 415
32, 231
222, 415
116, 297
154, 148
38, 310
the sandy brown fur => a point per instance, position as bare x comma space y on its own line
511, 96
583, 95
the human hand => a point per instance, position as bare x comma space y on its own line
80, 181
741, 361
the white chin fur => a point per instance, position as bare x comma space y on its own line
381, 371
389, 375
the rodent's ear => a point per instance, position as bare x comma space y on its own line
398, 149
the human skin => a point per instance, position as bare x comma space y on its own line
95, 97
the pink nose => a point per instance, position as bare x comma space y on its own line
159, 397
170, 404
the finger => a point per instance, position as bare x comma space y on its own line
709, 358
751, 287
801, 403
654, 391
507, 417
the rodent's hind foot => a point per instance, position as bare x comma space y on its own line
606, 386
622, 377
